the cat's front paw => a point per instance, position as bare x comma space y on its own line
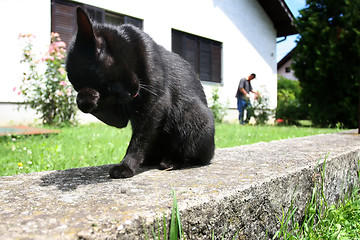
121, 171
87, 100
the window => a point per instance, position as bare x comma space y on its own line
63, 17
287, 69
202, 53
114, 19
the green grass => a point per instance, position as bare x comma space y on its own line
231, 135
98, 144
322, 220
87, 145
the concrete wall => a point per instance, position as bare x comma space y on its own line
247, 34
243, 190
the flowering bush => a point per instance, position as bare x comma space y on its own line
49, 91
260, 110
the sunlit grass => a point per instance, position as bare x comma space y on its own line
99, 144
87, 145
230, 135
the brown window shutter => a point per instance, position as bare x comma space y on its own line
134, 21
62, 20
216, 62
176, 42
114, 19
191, 51
96, 14
205, 60
202, 53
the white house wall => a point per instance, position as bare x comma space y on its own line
247, 34
288, 75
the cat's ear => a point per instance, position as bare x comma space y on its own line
85, 29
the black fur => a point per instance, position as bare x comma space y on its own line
122, 75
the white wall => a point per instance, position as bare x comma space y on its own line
20, 16
247, 34
248, 47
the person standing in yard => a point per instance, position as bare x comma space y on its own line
243, 97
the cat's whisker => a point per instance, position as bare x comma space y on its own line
148, 89
169, 169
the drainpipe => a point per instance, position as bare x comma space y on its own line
282, 40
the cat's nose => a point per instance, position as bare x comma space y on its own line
120, 93
86, 106
87, 100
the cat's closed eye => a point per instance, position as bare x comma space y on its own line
103, 52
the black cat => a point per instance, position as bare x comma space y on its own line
121, 74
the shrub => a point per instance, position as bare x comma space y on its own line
217, 108
289, 107
260, 110
48, 92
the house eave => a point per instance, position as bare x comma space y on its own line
285, 59
281, 17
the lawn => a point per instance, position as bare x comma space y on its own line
98, 144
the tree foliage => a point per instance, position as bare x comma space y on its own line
326, 60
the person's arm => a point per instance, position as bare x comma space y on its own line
242, 90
